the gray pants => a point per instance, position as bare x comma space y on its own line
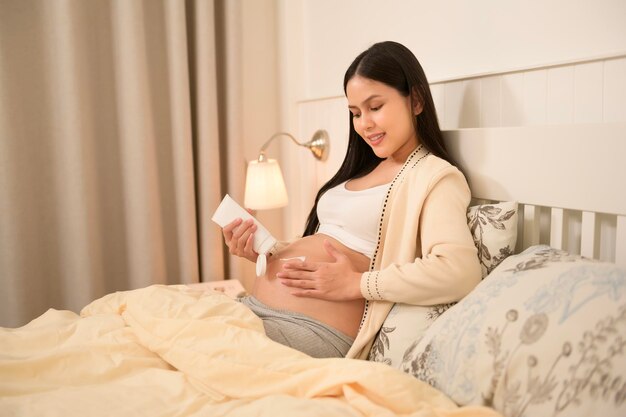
299, 331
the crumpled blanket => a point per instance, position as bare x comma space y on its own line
177, 351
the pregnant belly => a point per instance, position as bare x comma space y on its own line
344, 316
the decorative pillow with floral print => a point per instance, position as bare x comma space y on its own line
543, 335
402, 330
494, 230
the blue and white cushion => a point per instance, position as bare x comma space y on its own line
543, 335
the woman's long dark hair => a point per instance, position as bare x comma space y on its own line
395, 65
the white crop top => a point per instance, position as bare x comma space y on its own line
352, 217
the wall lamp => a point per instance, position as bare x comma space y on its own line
265, 186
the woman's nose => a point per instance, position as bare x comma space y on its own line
366, 122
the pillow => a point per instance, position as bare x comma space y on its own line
542, 335
494, 230
402, 330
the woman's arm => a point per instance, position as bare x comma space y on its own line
448, 268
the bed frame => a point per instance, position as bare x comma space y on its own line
568, 180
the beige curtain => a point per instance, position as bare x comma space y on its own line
109, 150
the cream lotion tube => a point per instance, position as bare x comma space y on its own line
263, 241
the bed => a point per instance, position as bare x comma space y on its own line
544, 333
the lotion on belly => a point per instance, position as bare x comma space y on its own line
263, 241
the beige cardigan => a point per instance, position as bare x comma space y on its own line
425, 253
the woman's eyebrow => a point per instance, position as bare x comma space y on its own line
373, 96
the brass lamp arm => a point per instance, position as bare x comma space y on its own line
274, 136
318, 145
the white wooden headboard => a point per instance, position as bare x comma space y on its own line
568, 179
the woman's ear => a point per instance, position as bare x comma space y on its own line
417, 102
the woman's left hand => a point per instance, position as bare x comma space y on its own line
335, 281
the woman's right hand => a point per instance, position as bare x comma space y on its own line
238, 236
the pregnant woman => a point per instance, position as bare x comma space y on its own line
390, 226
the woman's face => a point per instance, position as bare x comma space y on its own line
382, 117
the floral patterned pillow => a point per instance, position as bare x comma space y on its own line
401, 331
494, 230
543, 335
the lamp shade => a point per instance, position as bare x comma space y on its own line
265, 187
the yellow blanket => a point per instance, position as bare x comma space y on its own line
175, 351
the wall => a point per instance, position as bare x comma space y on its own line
454, 38
489, 64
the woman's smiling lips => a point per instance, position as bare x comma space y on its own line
375, 139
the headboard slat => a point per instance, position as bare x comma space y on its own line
620, 241
556, 228
531, 225
589, 235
